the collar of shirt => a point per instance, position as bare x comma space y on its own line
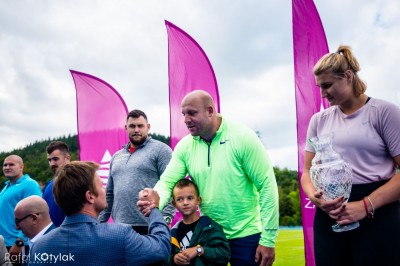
31, 241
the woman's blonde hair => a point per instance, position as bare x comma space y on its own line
338, 63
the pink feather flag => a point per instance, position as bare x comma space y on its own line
309, 44
189, 70
101, 115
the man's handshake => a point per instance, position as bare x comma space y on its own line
148, 199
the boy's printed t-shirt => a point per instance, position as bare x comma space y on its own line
185, 233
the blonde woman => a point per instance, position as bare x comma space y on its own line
367, 134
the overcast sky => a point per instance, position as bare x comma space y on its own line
124, 42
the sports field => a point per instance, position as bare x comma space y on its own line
289, 248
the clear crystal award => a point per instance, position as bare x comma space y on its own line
331, 174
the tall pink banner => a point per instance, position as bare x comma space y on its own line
309, 44
101, 114
189, 70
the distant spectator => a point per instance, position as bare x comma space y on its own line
18, 186
57, 154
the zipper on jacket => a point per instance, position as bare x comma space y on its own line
209, 150
130, 154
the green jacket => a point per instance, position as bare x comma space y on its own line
211, 237
235, 178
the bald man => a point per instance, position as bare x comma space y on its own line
18, 186
235, 178
32, 218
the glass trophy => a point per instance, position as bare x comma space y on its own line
331, 174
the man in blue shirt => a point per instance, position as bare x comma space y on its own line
18, 186
83, 240
57, 154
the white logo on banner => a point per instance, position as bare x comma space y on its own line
104, 168
309, 204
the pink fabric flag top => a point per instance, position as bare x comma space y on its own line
189, 70
309, 44
101, 114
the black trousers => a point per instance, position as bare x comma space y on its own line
375, 242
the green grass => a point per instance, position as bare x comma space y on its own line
289, 249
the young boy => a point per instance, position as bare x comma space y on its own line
196, 240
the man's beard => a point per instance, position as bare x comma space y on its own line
54, 169
138, 142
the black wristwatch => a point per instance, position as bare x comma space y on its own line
19, 242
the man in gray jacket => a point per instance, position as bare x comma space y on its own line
138, 165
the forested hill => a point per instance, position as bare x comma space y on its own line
35, 156
36, 165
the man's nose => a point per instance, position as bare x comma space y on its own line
187, 119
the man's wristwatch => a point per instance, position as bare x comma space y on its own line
199, 250
19, 242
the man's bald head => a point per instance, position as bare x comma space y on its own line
33, 204
32, 215
15, 158
200, 96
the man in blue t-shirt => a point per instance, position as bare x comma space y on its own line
58, 155
18, 186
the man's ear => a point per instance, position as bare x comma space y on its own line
35, 219
210, 110
89, 197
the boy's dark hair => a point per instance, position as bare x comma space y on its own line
136, 114
58, 145
185, 182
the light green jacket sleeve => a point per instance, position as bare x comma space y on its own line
258, 167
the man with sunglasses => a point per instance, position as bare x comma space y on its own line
32, 218
18, 186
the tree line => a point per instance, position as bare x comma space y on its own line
36, 165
